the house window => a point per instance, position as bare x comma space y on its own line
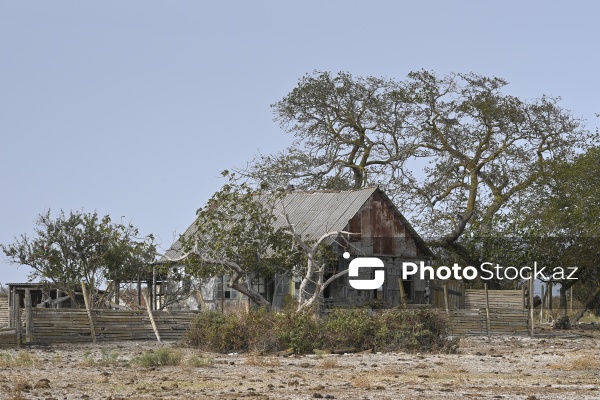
260, 285
296, 289
225, 292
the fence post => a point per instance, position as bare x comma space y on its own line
28, 317
446, 298
531, 303
571, 297
89, 311
17, 315
542, 306
487, 309
149, 308
11, 308
402, 293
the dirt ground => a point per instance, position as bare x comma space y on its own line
566, 367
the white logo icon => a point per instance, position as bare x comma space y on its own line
366, 262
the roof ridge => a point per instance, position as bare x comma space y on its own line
332, 190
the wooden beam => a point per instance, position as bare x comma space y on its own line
11, 308
531, 303
149, 309
542, 305
402, 293
446, 298
89, 311
487, 308
17, 315
28, 317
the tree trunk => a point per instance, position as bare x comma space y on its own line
251, 293
586, 305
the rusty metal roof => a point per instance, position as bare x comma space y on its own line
317, 212
313, 213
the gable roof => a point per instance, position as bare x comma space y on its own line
315, 212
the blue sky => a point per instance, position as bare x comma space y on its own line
132, 108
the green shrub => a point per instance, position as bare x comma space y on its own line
348, 329
298, 331
412, 330
159, 357
201, 361
215, 331
218, 332
342, 329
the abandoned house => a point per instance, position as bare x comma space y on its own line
380, 230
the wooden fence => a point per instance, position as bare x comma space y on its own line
501, 321
3, 311
44, 325
8, 337
447, 294
512, 299
490, 312
60, 325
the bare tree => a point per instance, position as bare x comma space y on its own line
455, 151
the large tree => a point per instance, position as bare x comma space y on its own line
453, 151
76, 247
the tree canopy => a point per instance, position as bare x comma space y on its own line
236, 234
76, 247
455, 151
564, 224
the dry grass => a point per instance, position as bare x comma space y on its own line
20, 387
582, 363
21, 359
329, 362
201, 361
260, 361
159, 357
361, 381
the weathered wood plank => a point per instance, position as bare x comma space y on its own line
63, 325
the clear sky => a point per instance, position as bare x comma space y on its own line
132, 108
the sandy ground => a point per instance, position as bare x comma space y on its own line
566, 367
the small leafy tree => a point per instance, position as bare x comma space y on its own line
564, 224
237, 234
234, 235
77, 247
